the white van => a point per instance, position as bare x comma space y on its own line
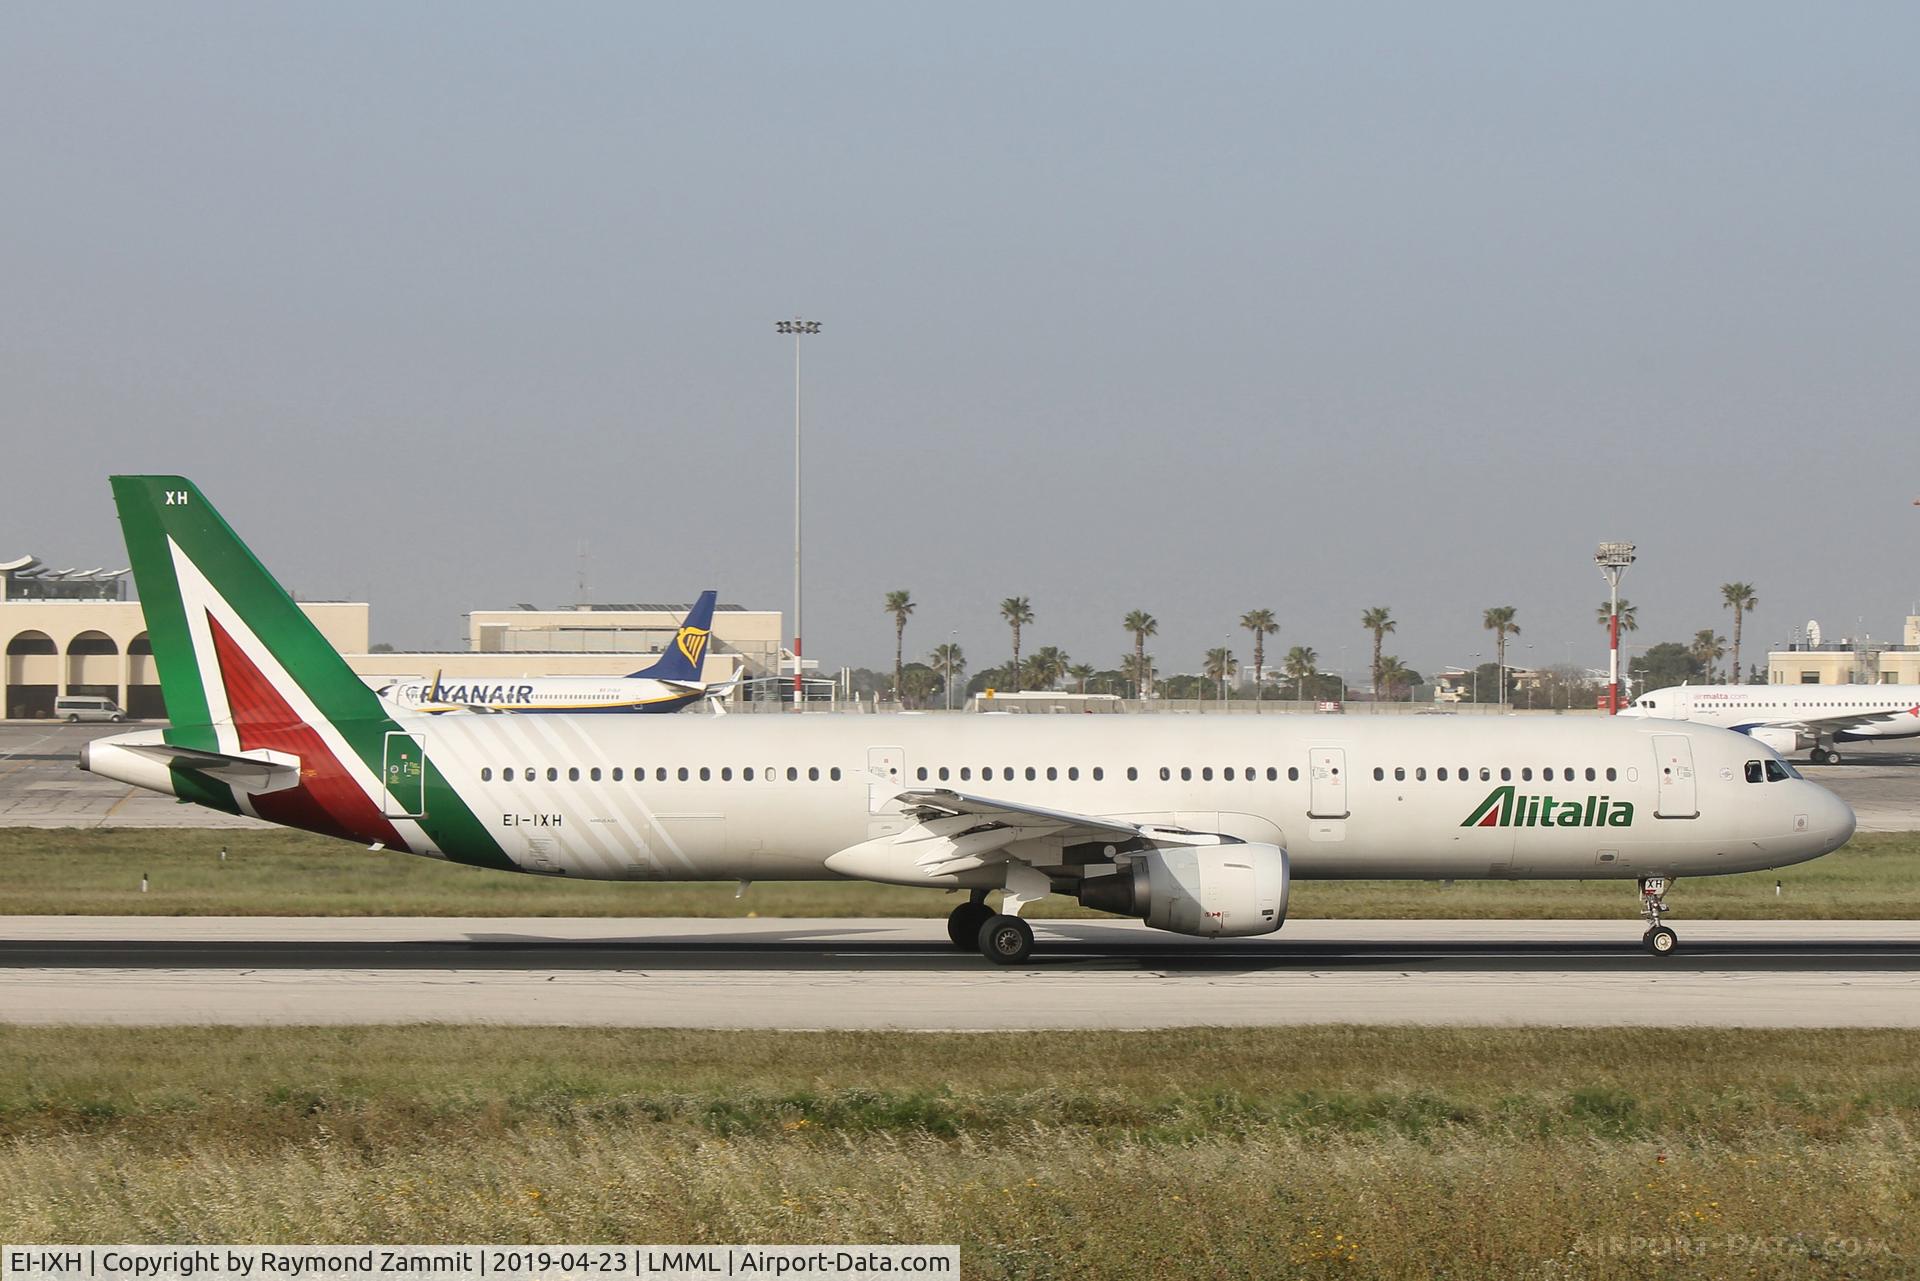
82, 707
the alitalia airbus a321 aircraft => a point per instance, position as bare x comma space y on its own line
1197, 825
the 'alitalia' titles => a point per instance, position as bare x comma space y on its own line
1506, 807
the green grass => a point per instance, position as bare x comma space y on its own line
98, 871
1318, 1152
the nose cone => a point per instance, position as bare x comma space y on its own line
1831, 819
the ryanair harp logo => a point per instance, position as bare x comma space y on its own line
1504, 807
692, 641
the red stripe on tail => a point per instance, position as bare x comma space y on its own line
327, 800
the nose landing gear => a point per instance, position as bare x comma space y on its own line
1659, 940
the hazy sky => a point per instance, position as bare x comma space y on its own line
1184, 308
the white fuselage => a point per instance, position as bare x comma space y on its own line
550, 694
1834, 713
777, 797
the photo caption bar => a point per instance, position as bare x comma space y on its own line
472, 1262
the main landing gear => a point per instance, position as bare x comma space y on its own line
995, 935
1658, 939
964, 922
1001, 937
1823, 756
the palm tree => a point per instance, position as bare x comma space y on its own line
1260, 623
1138, 668
1081, 672
1018, 614
1740, 598
1220, 665
1049, 663
1708, 649
1499, 621
918, 685
1142, 625
1628, 610
899, 604
1376, 621
949, 661
1395, 675
1302, 662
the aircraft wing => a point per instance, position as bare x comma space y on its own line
959, 839
1843, 722
1027, 820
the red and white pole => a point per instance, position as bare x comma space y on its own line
1613, 659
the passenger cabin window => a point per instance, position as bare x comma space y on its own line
793, 774
553, 775
1098, 773
486, 774
834, 774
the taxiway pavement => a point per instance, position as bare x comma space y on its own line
813, 974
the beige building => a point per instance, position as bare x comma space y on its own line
75, 632
1844, 663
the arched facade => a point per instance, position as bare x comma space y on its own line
94, 666
101, 647
33, 673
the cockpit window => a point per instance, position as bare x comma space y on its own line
1753, 771
1650, 703
1777, 772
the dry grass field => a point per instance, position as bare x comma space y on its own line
1311, 1152
97, 872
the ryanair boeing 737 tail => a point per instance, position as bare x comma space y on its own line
681, 663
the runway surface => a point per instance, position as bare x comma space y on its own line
41, 785
904, 974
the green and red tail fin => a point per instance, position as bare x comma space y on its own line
207, 599
247, 674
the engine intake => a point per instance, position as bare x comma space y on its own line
1214, 891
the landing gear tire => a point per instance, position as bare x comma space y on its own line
964, 922
1823, 756
1661, 941
1006, 940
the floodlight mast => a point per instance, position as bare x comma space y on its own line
1613, 559
798, 328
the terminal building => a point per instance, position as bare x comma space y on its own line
74, 631
1848, 662
78, 632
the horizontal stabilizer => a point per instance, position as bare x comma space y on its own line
255, 772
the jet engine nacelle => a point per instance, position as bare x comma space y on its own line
1215, 891
1779, 739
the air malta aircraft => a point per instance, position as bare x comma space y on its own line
1789, 717
1197, 825
668, 685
